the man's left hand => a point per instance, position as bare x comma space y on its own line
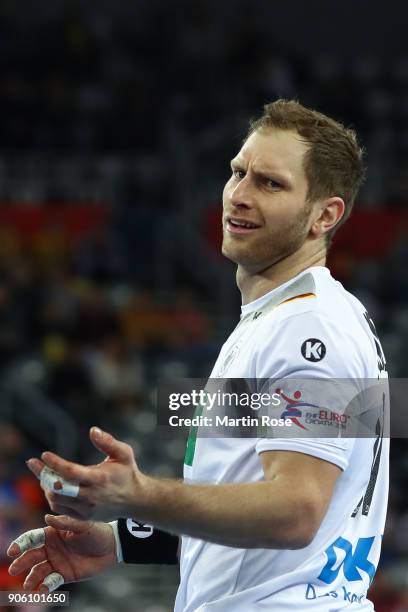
108, 490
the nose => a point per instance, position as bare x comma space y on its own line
242, 195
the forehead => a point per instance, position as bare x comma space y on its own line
274, 149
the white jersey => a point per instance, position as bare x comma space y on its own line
310, 326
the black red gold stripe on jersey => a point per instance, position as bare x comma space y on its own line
302, 296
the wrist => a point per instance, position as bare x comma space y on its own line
142, 503
118, 547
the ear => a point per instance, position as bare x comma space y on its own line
329, 213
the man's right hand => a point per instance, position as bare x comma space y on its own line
72, 548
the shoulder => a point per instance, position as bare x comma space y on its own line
324, 330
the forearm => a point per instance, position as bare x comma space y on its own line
249, 515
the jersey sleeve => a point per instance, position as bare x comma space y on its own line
315, 366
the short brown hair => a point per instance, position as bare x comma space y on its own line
333, 164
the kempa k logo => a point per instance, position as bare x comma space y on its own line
313, 349
139, 530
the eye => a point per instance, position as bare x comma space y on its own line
238, 174
272, 184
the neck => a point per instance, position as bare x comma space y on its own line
254, 285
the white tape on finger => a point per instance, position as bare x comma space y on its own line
48, 478
53, 581
31, 539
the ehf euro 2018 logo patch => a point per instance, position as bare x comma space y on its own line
303, 413
293, 410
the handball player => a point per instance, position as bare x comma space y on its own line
267, 523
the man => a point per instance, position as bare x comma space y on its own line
268, 523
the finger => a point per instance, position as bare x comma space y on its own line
67, 523
42, 574
76, 514
30, 539
60, 503
35, 465
109, 445
77, 504
67, 469
51, 480
37, 574
54, 497
51, 582
26, 561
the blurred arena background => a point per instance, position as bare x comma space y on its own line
117, 124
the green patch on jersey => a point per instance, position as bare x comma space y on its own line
192, 438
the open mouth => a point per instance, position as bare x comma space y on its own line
240, 226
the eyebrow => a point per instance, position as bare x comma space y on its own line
266, 172
237, 161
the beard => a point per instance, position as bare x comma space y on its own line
256, 253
